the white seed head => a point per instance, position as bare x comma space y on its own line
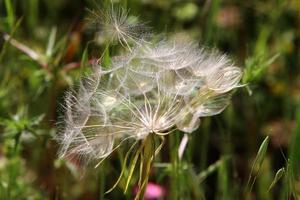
116, 25
154, 88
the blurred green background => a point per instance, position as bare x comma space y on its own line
50, 49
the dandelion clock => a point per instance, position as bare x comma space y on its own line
148, 91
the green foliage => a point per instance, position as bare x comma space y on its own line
17, 130
256, 66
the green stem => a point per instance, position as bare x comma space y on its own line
175, 172
10, 13
102, 182
147, 155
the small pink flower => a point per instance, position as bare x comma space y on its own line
153, 191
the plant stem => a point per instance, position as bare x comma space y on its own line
147, 156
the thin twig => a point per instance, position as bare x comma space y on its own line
25, 49
74, 65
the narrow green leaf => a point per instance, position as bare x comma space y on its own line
84, 58
210, 25
262, 151
123, 169
294, 151
6, 42
257, 164
106, 57
32, 13
60, 49
10, 13
278, 176
210, 169
131, 170
272, 59
51, 42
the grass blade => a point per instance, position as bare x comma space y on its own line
211, 169
294, 152
51, 42
278, 176
10, 13
257, 164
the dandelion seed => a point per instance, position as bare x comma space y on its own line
116, 25
225, 79
131, 103
144, 94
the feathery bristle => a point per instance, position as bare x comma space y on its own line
153, 88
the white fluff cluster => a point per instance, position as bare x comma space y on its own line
115, 25
155, 88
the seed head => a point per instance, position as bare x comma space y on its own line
116, 25
155, 88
